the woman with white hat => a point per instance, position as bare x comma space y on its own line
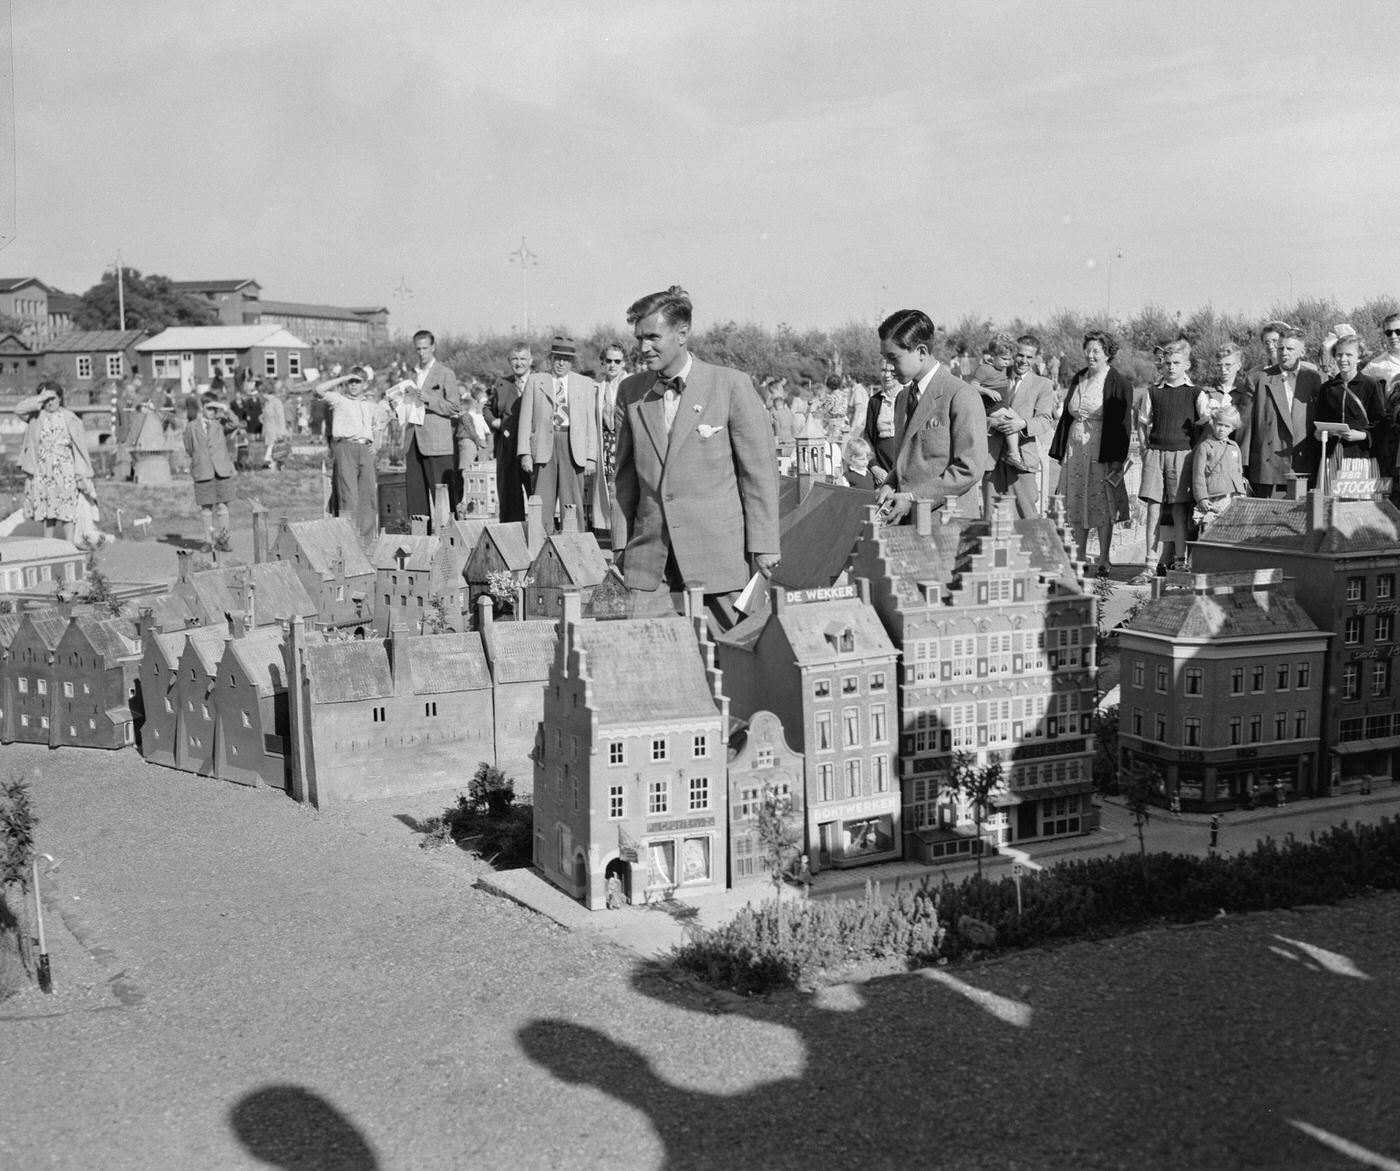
54, 460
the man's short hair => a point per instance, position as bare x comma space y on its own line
1228, 350
1291, 332
1029, 339
673, 304
424, 333
1180, 346
516, 348
908, 329
1278, 327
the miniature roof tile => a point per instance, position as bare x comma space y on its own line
1240, 613
644, 670
818, 537
278, 595
328, 540
166, 646
579, 556
509, 539
523, 652
47, 625
206, 643
416, 549
813, 629
9, 627
440, 663
109, 637
95, 340
1354, 526
260, 653
343, 672
949, 547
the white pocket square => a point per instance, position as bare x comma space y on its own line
706, 430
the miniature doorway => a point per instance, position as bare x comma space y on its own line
623, 873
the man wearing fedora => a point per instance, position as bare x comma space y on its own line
697, 475
558, 434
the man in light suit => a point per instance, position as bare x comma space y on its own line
1275, 437
940, 423
1028, 412
502, 413
430, 445
558, 442
697, 476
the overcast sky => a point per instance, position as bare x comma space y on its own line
812, 162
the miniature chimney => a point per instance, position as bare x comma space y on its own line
237, 623
989, 499
863, 590
534, 524
397, 646
250, 603
418, 526
145, 622
1297, 487
923, 517
441, 510
570, 522
1319, 511
182, 558
259, 532
485, 612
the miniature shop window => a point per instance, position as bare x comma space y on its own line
695, 860
661, 857
658, 748
699, 792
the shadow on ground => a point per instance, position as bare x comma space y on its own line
289, 1126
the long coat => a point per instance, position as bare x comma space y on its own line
708, 492
1277, 442
941, 451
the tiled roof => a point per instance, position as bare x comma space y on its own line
176, 609
509, 539
207, 643
341, 672
1238, 614
109, 637
419, 551
440, 663
95, 340
48, 625
644, 670
167, 647
259, 653
10, 283
522, 652
9, 626
326, 541
579, 556
458, 540
1353, 526
817, 538
811, 626
219, 337
278, 594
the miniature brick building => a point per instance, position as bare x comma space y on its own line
568, 560
1345, 558
1221, 690
195, 699
520, 654
760, 762
39, 563
331, 566
266, 593
448, 581
630, 772
403, 578
382, 718
822, 663
30, 677
158, 693
251, 720
997, 631
506, 548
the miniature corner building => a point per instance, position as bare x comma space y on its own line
630, 773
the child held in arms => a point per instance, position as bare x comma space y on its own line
991, 381
1217, 468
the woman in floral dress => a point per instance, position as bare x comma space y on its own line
54, 460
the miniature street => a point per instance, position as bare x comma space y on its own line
242, 981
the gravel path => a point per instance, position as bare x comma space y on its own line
260, 984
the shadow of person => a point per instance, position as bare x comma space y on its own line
291, 1127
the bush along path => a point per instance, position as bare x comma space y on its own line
795, 944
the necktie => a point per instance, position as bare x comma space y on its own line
671, 389
561, 404
913, 403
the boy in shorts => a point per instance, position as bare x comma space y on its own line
211, 466
1169, 417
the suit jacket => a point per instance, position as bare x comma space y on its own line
885, 449
942, 449
208, 449
708, 492
436, 434
536, 437
503, 407
1278, 443
1034, 400
606, 420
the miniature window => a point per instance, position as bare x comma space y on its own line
92, 725
1380, 679
24, 685
1385, 627
615, 802
388, 601
1300, 723
86, 689
659, 796
1350, 681
700, 746
1385, 586
169, 707
1256, 728
1191, 730
1356, 589
1353, 630
695, 860
1160, 727
114, 366
821, 689
877, 681
850, 685
574, 782
84, 366
204, 710
41, 686
850, 725
43, 721
616, 753
294, 362
763, 758
853, 777
1280, 725
1137, 721
270, 363
340, 593
247, 722
879, 733
1193, 681
573, 745
699, 792
880, 767
1281, 681
430, 709
1256, 680
826, 776
24, 721
72, 729
1162, 677
1236, 729
1302, 676
658, 748
824, 732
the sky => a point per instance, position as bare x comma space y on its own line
813, 163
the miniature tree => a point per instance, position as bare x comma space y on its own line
17, 822
975, 783
436, 621
490, 787
99, 585
781, 843
1136, 788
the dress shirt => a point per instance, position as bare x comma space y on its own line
351, 418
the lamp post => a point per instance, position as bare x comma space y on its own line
121, 293
525, 258
1108, 304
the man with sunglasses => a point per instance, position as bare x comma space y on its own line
352, 450
1385, 368
614, 370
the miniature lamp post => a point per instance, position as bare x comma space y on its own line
45, 975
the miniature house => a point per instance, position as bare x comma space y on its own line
761, 762
28, 564
568, 560
403, 578
331, 566
250, 707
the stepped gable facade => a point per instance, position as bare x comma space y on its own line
822, 663
1222, 691
1344, 556
761, 762
403, 571
327, 559
630, 774
997, 633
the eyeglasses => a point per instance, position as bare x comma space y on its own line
612, 361
1392, 333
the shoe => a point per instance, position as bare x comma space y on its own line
1161, 570
1017, 465
1103, 569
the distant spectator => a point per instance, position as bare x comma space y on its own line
781, 418
211, 466
880, 424
856, 468
1274, 438
1384, 368
1386, 365
1217, 468
352, 450
1169, 419
54, 459
276, 440
1354, 402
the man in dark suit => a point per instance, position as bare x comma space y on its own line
1275, 437
430, 449
879, 430
1028, 415
502, 413
941, 425
697, 476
